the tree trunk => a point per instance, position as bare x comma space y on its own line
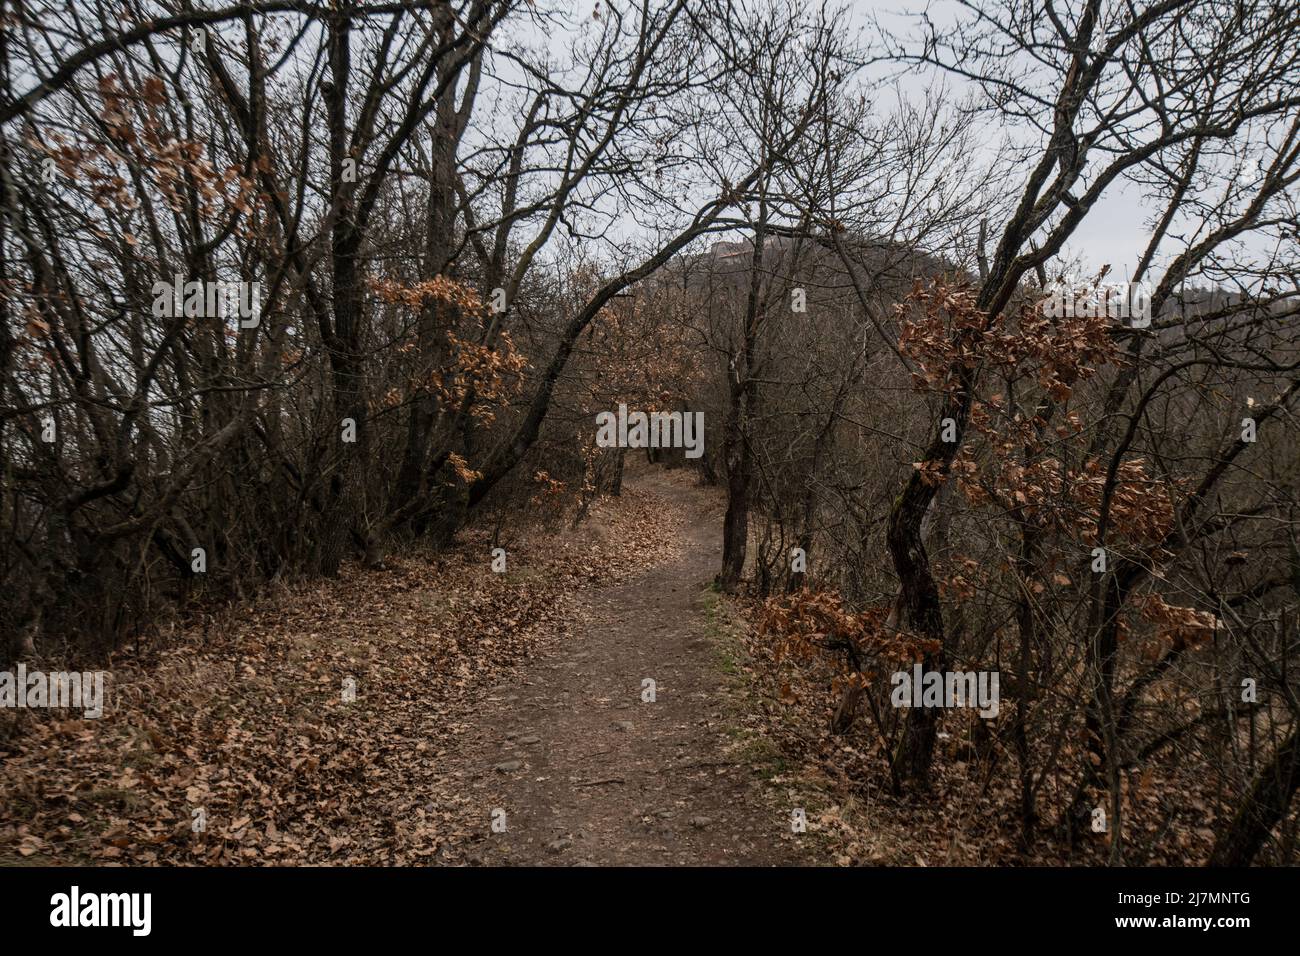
1262, 808
735, 525
744, 393
920, 612
616, 486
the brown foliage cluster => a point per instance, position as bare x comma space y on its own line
1020, 464
811, 623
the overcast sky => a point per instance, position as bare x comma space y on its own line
1117, 229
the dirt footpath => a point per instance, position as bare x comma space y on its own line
588, 772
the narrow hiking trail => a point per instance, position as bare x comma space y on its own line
587, 769
381, 717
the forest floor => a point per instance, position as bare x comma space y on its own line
499, 719
589, 768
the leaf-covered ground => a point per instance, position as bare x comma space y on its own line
516, 698
245, 720
969, 816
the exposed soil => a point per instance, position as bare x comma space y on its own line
590, 773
